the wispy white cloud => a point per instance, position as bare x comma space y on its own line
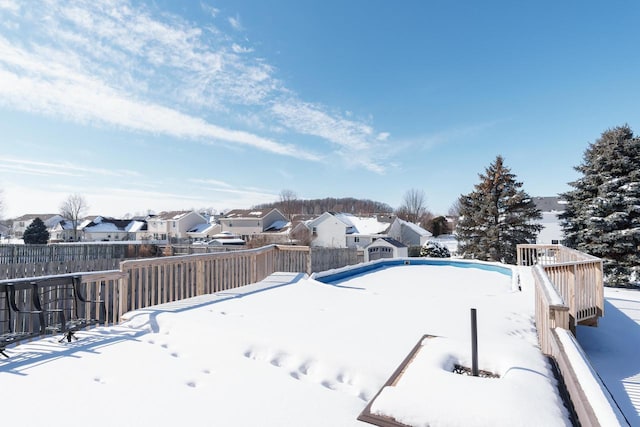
223, 187
32, 167
235, 23
60, 91
213, 182
383, 136
10, 5
210, 9
119, 63
240, 49
355, 140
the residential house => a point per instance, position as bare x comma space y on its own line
173, 226
5, 230
327, 231
138, 229
249, 223
299, 232
551, 207
62, 231
385, 247
104, 229
204, 231
21, 223
408, 233
361, 231
341, 230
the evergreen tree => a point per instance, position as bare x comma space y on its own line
36, 233
434, 249
602, 215
438, 226
496, 216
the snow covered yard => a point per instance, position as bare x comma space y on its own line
303, 353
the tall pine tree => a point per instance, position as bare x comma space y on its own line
602, 215
496, 216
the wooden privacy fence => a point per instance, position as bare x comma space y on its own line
18, 261
323, 259
24, 254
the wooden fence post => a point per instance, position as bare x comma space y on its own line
200, 279
254, 268
123, 286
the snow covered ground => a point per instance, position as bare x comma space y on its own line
303, 353
614, 349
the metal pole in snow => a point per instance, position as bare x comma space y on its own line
474, 343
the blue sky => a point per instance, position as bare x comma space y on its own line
165, 105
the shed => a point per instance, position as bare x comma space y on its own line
385, 247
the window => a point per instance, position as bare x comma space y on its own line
356, 239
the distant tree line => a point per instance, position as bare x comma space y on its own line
293, 206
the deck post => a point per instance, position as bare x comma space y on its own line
474, 343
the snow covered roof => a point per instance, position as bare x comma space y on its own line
135, 226
112, 225
362, 225
201, 228
414, 227
29, 217
389, 240
248, 213
172, 215
277, 225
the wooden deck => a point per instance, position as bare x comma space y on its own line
571, 283
569, 291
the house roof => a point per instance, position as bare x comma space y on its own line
414, 227
549, 204
172, 215
105, 225
29, 217
136, 225
360, 225
201, 228
278, 225
249, 213
391, 241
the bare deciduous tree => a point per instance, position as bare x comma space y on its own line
73, 208
286, 201
413, 206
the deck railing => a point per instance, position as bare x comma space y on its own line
159, 280
575, 276
146, 282
569, 290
